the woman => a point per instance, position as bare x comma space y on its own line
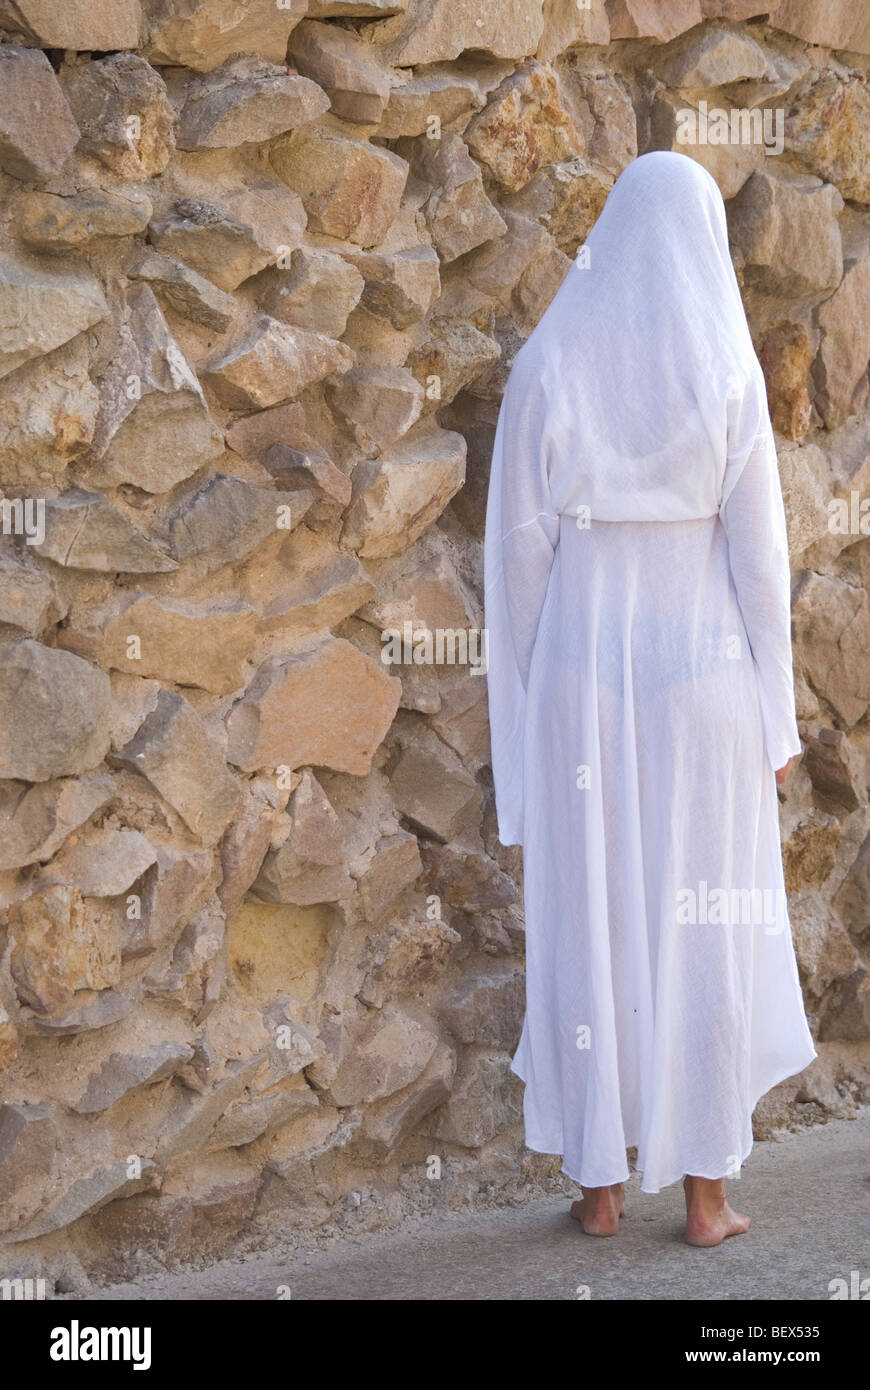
642, 707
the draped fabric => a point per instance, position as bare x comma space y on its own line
641, 695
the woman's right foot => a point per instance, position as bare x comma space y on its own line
599, 1209
709, 1218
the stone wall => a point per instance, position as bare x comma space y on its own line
262, 276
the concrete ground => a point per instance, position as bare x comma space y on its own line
808, 1195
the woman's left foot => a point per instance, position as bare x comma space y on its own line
599, 1209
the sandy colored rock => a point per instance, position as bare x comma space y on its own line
378, 404
834, 768
42, 307
827, 132
225, 519
36, 820
784, 230
102, 863
344, 65
122, 108
271, 362
350, 188
458, 212
806, 488
61, 944
78, 24
84, 530
523, 126
184, 290
451, 357
399, 287
430, 787
54, 711
832, 641
386, 1054
234, 237
840, 368
316, 590
712, 58
326, 706
48, 413
442, 29
842, 24
645, 19
246, 100
785, 357
398, 495
309, 867
566, 199
28, 596
49, 223
154, 428
172, 750
485, 1099
447, 94
37, 129
317, 292
207, 32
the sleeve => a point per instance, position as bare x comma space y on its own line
753, 515
522, 532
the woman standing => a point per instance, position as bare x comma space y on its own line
641, 702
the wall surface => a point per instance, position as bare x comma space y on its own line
263, 272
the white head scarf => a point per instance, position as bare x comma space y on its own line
642, 352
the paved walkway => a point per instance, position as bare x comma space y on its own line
808, 1195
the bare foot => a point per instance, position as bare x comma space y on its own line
600, 1208
709, 1219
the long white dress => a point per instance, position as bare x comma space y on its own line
641, 696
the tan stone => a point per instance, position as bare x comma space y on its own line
42, 307
126, 120
452, 356
207, 32
344, 65
184, 290
443, 29
316, 589
841, 24
522, 271
401, 287
394, 866
317, 292
386, 1125
28, 596
429, 785
832, 642
48, 413
378, 404
784, 230
485, 1100
523, 126
350, 188
246, 101
447, 95
37, 129
603, 113
806, 489
84, 530
309, 867
325, 706
36, 820
236, 235
785, 356
54, 713
458, 212
61, 944
834, 768
88, 25
50, 223
567, 23
827, 132
409, 955
712, 58
398, 495
173, 751
102, 863
840, 368
271, 362
385, 1055
647, 19
566, 199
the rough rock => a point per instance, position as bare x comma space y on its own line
224, 519
85, 531
206, 32
272, 362
785, 356
398, 495
36, 820
184, 290
326, 706
485, 1100
386, 1125
102, 863
451, 357
458, 212
235, 236
54, 713
49, 223
832, 638
827, 132
487, 1009
37, 130
842, 24
28, 596
385, 1055
84, 25
401, 287
350, 188
124, 113
443, 29
154, 428
309, 867
784, 230
840, 368
61, 944
645, 19
122, 1072
48, 413
712, 58
377, 403
431, 787
173, 751
523, 126
42, 307
317, 292
246, 101
344, 65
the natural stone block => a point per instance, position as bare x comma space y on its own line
172, 749
400, 287
125, 116
398, 495
42, 307
272, 362
122, 1072
350, 188
784, 230
85, 531
83, 25
484, 1101
184, 291
239, 233
51, 223
344, 65
246, 101
37, 130
54, 713
325, 706
385, 1055
206, 32
61, 944
35, 821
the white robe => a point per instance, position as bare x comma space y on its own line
641, 696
